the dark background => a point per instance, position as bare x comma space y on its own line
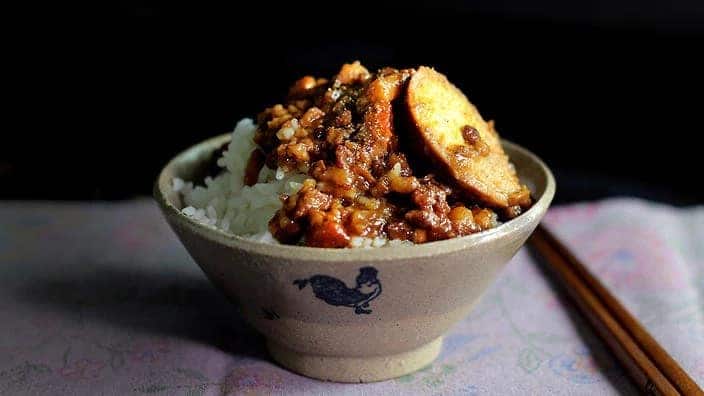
608, 94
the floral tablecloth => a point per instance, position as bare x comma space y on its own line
101, 298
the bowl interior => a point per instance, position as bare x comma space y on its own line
193, 163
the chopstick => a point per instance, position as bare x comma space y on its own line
650, 366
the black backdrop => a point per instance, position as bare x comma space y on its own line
610, 95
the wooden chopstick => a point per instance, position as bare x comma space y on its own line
652, 368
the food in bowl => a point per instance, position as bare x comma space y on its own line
350, 315
361, 160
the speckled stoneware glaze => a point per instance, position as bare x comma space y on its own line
352, 315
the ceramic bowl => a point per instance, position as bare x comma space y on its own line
352, 315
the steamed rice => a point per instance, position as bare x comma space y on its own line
226, 203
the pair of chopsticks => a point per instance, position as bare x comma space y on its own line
650, 366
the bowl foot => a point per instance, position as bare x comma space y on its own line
355, 369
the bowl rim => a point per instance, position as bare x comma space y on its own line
526, 219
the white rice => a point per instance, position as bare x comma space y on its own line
363, 242
227, 204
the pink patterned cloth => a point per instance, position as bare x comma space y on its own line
101, 298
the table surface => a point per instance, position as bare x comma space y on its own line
101, 298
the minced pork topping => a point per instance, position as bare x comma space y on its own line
373, 165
